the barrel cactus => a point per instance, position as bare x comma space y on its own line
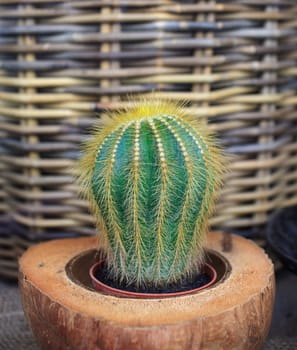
151, 174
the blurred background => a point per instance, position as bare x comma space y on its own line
63, 64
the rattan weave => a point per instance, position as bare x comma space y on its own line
61, 62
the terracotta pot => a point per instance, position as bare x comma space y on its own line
104, 288
65, 312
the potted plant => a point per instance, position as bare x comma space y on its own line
151, 175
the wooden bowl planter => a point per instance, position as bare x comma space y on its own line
65, 312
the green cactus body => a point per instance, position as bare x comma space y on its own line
152, 183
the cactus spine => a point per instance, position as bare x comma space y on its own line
151, 174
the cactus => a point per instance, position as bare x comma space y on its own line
151, 174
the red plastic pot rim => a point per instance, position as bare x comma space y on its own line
106, 289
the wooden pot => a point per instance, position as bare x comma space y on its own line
65, 312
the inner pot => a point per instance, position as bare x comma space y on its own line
78, 267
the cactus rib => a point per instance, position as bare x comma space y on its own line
151, 174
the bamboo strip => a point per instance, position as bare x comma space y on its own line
37, 163
113, 18
189, 78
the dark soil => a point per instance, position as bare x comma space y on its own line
184, 285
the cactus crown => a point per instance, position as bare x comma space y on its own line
151, 173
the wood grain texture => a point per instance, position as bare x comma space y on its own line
235, 314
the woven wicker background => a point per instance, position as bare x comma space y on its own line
62, 61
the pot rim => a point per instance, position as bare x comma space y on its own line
106, 289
